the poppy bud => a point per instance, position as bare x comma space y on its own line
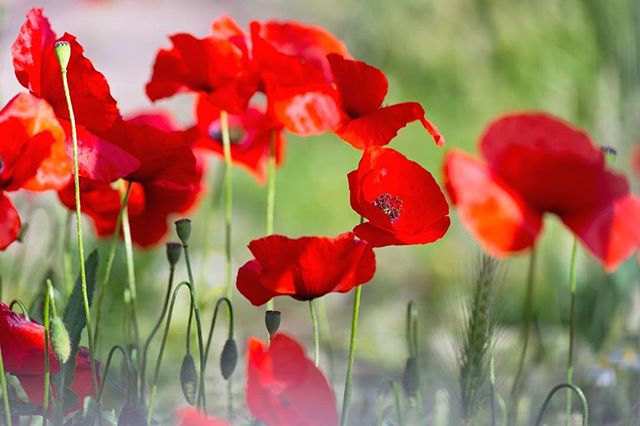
189, 379
59, 339
410, 379
173, 253
63, 52
229, 358
272, 321
132, 415
183, 228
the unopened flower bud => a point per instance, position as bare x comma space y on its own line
410, 378
63, 52
173, 253
59, 339
228, 358
189, 379
183, 228
272, 321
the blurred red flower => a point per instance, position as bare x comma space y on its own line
401, 200
37, 69
536, 164
285, 388
251, 136
362, 91
191, 416
305, 268
168, 180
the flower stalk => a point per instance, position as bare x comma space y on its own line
271, 193
228, 198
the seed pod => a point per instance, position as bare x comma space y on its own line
272, 321
183, 229
189, 379
63, 52
132, 415
173, 253
59, 339
410, 379
228, 358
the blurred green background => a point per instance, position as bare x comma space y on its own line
466, 62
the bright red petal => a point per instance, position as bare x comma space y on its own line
381, 126
191, 416
306, 110
249, 285
9, 222
494, 213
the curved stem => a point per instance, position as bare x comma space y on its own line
156, 372
346, 399
226, 147
397, 394
47, 367
23, 308
107, 272
316, 334
526, 327
572, 326
271, 192
570, 387
213, 324
5, 392
83, 273
128, 368
156, 327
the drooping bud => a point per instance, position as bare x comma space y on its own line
228, 358
63, 53
272, 321
189, 379
173, 253
132, 415
59, 339
410, 378
183, 228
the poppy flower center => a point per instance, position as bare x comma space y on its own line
390, 205
236, 134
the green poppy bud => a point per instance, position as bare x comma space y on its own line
173, 253
272, 321
410, 378
183, 228
59, 339
189, 379
229, 358
63, 52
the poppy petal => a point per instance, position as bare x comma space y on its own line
378, 237
495, 214
9, 222
248, 283
381, 126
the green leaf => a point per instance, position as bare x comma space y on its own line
74, 318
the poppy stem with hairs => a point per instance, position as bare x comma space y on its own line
572, 326
5, 394
107, 273
346, 398
271, 193
526, 327
228, 197
63, 53
47, 367
316, 333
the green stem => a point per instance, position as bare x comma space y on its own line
526, 328
213, 324
325, 335
66, 256
83, 273
346, 399
572, 326
47, 367
271, 192
128, 368
571, 388
316, 334
155, 329
226, 147
163, 344
23, 308
5, 393
201, 396
107, 273
397, 393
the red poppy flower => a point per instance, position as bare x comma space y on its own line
212, 66
191, 416
536, 164
285, 388
38, 69
305, 268
362, 91
81, 386
250, 133
21, 155
401, 200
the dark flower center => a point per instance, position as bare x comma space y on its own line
390, 205
236, 134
